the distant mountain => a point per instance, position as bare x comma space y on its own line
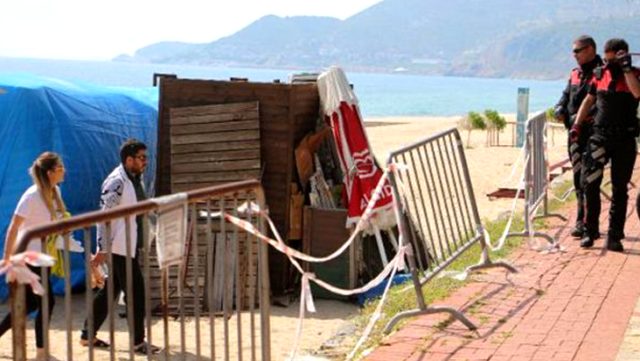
542, 52
497, 38
165, 50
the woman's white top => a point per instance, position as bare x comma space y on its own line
32, 208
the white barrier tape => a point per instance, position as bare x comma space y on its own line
306, 300
279, 244
306, 296
457, 275
522, 155
507, 228
376, 315
395, 264
293, 254
564, 197
533, 242
17, 271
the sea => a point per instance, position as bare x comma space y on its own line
379, 95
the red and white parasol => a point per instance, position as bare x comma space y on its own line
361, 173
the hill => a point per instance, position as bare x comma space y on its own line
497, 38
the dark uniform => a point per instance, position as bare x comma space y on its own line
568, 105
614, 131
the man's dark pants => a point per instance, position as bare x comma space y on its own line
576, 151
100, 302
621, 150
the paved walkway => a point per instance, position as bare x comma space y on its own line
575, 305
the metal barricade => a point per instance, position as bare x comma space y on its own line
536, 178
438, 210
229, 272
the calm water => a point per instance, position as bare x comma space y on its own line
379, 94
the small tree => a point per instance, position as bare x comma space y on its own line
470, 122
495, 122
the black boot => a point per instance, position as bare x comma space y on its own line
614, 245
586, 242
578, 231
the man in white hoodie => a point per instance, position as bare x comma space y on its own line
124, 186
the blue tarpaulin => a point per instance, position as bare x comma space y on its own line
85, 124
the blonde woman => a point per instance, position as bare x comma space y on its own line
40, 203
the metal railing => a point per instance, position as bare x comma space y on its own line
233, 266
536, 178
438, 210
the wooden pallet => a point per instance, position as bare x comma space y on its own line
194, 281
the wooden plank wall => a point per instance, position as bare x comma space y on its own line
214, 144
287, 112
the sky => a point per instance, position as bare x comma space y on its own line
101, 30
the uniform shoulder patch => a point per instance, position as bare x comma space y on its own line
597, 72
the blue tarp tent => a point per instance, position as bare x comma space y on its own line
83, 123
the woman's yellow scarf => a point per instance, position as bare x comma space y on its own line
58, 268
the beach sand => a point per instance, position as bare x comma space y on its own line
489, 169
331, 317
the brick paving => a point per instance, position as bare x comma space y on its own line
574, 305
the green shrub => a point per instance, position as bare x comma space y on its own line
470, 122
495, 120
477, 121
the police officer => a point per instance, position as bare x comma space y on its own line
584, 51
615, 90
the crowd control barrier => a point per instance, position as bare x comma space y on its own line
439, 213
536, 179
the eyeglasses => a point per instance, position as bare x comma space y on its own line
578, 50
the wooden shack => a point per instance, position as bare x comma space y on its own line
286, 113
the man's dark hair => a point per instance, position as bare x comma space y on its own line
615, 45
585, 40
130, 148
